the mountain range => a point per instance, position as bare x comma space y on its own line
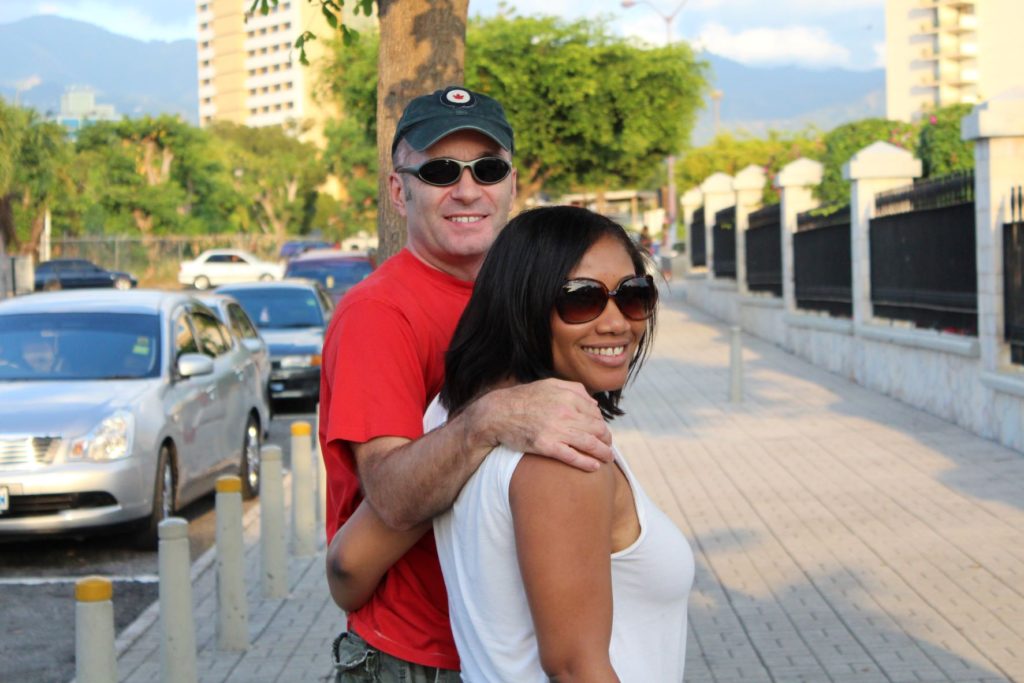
41, 56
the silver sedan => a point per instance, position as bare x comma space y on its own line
118, 408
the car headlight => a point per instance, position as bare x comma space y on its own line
311, 360
111, 439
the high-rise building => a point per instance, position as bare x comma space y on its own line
249, 70
942, 52
78, 108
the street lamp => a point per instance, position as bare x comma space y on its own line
670, 161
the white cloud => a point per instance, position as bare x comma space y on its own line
804, 45
878, 49
115, 16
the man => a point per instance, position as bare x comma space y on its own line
454, 184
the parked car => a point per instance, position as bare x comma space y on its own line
241, 325
293, 248
119, 408
335, 269
77, 273
221, 266
291, 316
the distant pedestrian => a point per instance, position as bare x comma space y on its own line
646, 243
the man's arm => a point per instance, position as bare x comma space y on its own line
408, 482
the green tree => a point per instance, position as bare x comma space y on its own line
843, 142
729, 153
591, 110
940, 147
34, 174
275, 173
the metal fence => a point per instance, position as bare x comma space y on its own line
699, 257
1013, 276
155, 260
723, 237
923, 255
822, 268
764, 250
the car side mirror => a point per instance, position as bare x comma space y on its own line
254, 345
194, 365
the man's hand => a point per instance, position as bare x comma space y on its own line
551, 417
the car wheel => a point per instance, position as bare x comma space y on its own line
148, 538
266, 277
249, 468
122, 283
51, 285
201, 282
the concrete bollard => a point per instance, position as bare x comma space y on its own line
95, 661
273, 565
303, 506
735, 365
232, 609
178, 644
321, 481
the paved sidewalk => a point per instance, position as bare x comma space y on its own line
839, 535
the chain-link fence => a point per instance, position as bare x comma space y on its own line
154, 261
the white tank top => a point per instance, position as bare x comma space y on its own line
487, 604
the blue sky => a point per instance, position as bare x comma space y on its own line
811, 33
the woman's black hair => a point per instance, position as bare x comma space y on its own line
505, 331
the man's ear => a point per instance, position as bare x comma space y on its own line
396, 190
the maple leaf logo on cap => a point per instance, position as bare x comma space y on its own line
458, 96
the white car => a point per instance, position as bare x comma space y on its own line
222, 266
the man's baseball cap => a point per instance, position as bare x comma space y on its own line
429, 118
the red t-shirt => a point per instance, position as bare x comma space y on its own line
383, 363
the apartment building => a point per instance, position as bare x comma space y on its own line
249, 71
942, 52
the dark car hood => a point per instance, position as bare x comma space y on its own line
289, 341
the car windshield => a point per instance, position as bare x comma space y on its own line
275, 308
335, 276
79, 346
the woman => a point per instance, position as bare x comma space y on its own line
535, 553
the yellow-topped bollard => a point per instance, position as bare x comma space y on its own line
95, 661
94, 589
229, 483
303, 487
232, 609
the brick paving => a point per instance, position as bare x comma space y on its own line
839, 535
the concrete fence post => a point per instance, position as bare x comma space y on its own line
718, 194
876, 168
232, 609
303, 487
691, 200
273, 564
177, 625
749, 188
997, 129
95, 661
796, 181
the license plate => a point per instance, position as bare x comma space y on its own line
5, 500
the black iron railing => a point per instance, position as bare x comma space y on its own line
1013, 276
933, 193
822, 269
764, 250
723, 236
923, 255
699, 256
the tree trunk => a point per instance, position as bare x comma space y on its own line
422, 49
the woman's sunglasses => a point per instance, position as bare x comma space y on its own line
582, 300
444, 172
